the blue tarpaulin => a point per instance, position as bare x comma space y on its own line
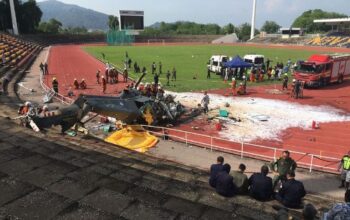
237, 62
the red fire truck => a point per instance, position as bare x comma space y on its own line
323, 69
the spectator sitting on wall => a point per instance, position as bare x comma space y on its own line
214, 170
224, 182
260, 185
240, 179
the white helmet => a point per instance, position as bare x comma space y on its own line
28, 104
233, 79
294, 80
45, 107
141, 84
243, 77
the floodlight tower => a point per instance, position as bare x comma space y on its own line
252, 31
13, 17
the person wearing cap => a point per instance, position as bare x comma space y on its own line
76, 84
233, 86
83, 84
98, 76
241, 90
104, 84
205, 102
344, 167
285, 82
55, 85
24, 109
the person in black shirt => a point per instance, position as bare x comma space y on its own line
214, 170
292, 192
224, 182
260, 185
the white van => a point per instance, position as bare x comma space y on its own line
216, 63
255, 59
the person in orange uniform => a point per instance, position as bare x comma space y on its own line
241, 89
83, 84
76, 84
252, 76
233, 86
24, 109
104, 84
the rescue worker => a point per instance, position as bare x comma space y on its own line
240, 90
298, 89
214, 170
55, 85
160, 93
104, 84
168, 78
156, 79
141, 87
154, 89
205, 102
153, 68
125, 75
260, 185
292, 192
83, 84
344, 167
233, 86
43, 111
240, 179
293, 94
244, 78
252, 75
226, 75
285, 82
282, 166
148, 90
76, 84
224, 182
98, 76
24, 109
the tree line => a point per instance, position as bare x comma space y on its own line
29, 17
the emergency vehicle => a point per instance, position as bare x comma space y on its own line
216, 63
323, 69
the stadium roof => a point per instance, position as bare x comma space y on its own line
333, 21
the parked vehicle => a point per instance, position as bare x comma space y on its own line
216, 63
255, 59
323, 69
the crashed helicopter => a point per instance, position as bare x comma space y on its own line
130, 107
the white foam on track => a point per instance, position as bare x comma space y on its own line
282, 115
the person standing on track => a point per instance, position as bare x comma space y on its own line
104, 85
344, 167
76, 84
233, 86
285, 82
125, 75
98, 76
205, 102
55, 85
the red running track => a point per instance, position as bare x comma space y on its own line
332, 139
69, 62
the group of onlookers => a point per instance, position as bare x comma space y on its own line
283, 187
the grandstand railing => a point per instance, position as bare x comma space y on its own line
244, 149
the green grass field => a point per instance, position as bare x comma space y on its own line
188, 60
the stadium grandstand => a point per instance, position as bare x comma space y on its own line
339, 36
13, 50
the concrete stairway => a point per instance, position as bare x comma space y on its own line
49, 177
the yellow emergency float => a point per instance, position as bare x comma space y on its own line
134, 138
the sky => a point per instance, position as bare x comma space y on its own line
220, 12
